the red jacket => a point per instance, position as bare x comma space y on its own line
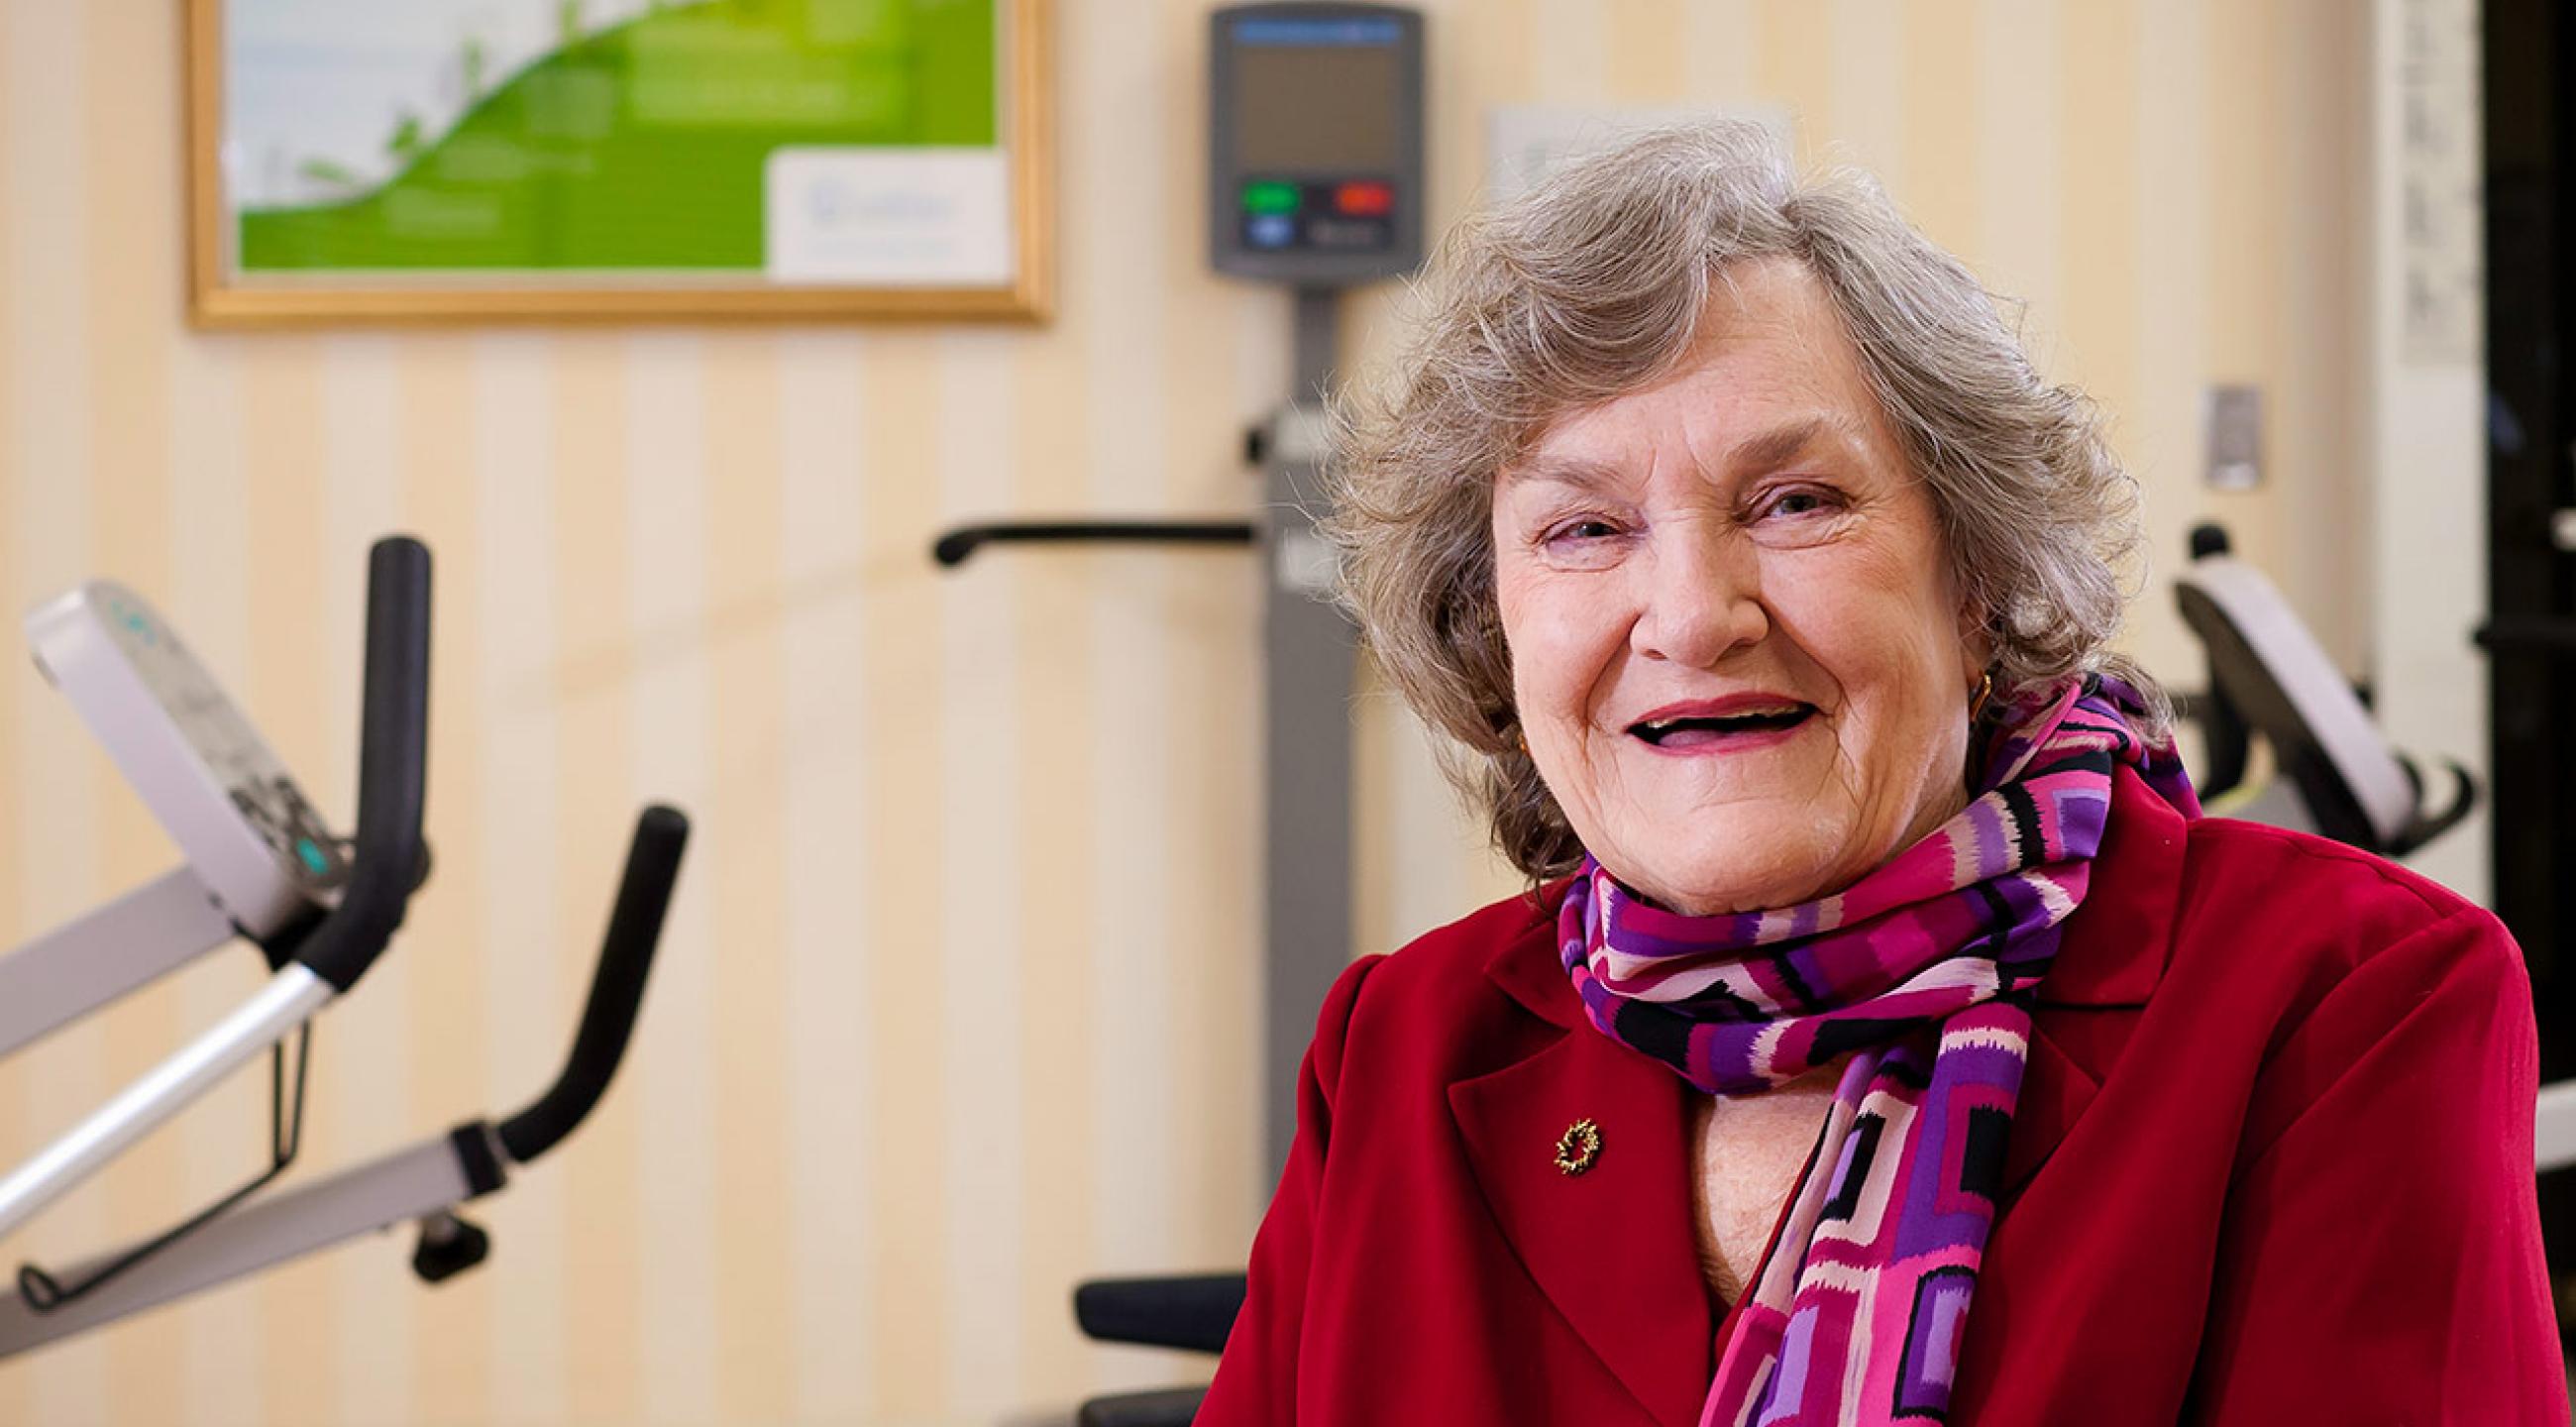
2272, 1164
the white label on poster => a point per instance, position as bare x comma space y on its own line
889, 217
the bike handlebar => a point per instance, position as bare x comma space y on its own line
616, 988
393, 769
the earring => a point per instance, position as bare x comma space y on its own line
1985, 694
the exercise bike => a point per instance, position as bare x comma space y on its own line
262, 866
2336, 774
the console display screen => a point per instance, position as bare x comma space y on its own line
1317, 97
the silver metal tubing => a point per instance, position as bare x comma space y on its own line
290, 996
384, 1193
87, 962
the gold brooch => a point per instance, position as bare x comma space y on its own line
1578, 1147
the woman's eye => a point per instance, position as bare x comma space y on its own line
1581, 530
1801, 502
1581, 542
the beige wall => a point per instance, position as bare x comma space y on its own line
957, 1000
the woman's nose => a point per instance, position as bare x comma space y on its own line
1702, 597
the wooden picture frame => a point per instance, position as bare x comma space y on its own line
822, 262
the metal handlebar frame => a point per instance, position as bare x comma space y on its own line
252, 1231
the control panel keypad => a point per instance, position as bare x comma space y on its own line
277, 810
1344, 215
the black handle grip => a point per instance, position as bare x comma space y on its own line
1171, 1407
616, 989
1193, 1311
2227, 741
2552, 635
951, 549
2423, 827
393, 769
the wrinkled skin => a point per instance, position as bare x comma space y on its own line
1748, 526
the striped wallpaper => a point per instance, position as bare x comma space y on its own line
956, 1004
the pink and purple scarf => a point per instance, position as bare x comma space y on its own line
1921, 971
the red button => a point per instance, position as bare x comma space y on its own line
1364, 200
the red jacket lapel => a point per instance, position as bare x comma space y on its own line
2116, 947
1609, 1247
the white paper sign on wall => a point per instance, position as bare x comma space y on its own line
2444, 233
1527, 142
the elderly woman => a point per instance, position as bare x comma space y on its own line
1887, 1038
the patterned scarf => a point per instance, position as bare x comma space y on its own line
1923, 968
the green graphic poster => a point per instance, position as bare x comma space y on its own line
545, 157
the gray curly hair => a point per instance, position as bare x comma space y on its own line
1593, 285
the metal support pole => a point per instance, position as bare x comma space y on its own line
1310, 651
1318, 339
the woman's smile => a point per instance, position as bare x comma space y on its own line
1740, 724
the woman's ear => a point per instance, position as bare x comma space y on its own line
1977, 643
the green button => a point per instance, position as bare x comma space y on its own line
1270, 197
314, 861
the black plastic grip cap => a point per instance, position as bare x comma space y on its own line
393, 768
616, 989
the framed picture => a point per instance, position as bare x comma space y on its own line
457, 160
